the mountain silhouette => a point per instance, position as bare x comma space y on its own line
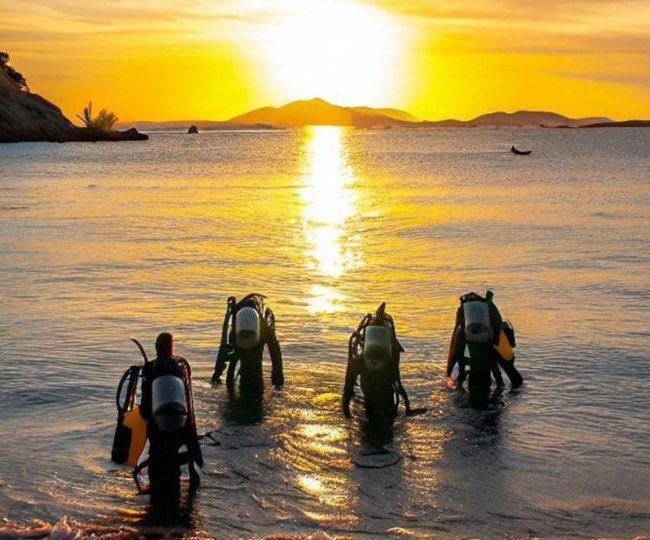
317, 111
320, 112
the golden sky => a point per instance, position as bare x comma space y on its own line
213, 59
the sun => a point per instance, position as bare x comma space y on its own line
345, 52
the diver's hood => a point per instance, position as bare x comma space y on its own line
169, 402
377, 347
247, 328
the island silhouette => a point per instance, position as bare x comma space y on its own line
25, 116
317, 111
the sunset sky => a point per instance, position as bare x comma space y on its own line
213, 59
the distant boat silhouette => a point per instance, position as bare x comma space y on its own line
519, 152
514, 150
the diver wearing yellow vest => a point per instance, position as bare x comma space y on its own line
481, 331
168, 407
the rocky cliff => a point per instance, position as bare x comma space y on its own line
25, 116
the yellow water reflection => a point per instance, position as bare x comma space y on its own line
321, 461
329, 201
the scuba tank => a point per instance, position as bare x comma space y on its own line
477, 321
172, 413
377, 347
375, 344
477, 347
169, 402
247, 328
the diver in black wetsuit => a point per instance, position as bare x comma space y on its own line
167, 405
478, 328
373, 358
248, 327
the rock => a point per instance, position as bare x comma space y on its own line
193, 130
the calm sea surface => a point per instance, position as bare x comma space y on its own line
102, 242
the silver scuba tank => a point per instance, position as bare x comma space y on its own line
477, 322
377, 347
247, 328
169, 402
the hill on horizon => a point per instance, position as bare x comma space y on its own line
317, 111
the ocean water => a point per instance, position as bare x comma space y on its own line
103, 242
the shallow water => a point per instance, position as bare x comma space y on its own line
101, 242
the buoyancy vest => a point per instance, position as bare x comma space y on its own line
131, 430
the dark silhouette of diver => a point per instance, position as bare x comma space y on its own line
373, 358
168, 406
481, 330
249, 326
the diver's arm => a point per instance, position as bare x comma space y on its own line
277, 374
348, 390
405, 397
456, 349
224, 348
221, 361
451, 359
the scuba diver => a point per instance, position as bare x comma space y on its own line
481, 332
373, 357
249, 326
168, 408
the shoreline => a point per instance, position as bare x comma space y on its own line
75, 134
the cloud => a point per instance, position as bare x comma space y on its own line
631, 79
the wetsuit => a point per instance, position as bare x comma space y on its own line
164, 459
250, 360
485, 355
381, 389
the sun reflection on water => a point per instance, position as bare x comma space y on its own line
329, 201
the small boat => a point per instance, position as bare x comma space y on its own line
514, 150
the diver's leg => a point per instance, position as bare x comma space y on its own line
478, 385
480, 375
462, 372
516, 380
496, 373
252, 379
233, 367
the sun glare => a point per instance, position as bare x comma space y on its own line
328, 200
345, 52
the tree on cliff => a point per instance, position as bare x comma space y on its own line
14, 75
104, 121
